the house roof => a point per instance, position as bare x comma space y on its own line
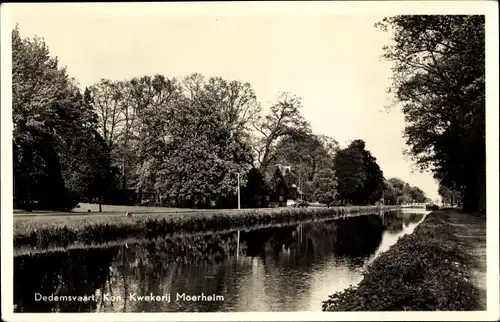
273, 175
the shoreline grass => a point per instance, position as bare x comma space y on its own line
428, 270
132, 241
43, 232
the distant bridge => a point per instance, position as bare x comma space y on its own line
415, 205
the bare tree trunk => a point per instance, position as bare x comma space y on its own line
482, 193
124, 182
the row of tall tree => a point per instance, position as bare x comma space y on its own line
439, 80
183, 140
187, 139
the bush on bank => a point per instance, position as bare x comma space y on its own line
42, 233
423, 271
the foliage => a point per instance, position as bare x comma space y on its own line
424, 271
283, 120
256, 191
106, 100
350, 172
54, 139
208, 147
417, 195
151, 105
38, 85
397, 191
306, 154
182, 139
325, 185
449, 196
438, 76
187, 138
373, 187
391, 193
360, 179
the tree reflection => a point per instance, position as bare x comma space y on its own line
72, 273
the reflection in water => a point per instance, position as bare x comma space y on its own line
79, 272
287, 268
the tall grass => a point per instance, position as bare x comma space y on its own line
91, 230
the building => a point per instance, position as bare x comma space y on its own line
282, 185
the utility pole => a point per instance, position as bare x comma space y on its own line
239, 207
239, 204
300, 187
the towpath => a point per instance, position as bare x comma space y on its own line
470, 231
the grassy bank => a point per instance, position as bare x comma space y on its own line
63, 231
428, 270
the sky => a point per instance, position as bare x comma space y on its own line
332, 61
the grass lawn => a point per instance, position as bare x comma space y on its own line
137, 210
441, 266
111, 210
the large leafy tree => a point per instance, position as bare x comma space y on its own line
39, 89
350, 172
86, 159
438, 78
205, 142
397, 191
417, 195
390, 194
182, 138
325, 186
307, 154
282, 121
360, 179
116, 117
373, 186
152, 101
54, 137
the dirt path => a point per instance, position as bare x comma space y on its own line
470, 230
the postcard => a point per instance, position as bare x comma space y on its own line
250, 161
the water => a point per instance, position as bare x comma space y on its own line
287, 268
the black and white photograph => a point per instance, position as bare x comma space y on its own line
266, 160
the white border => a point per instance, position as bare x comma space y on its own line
488, 8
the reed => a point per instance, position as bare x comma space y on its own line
44, 232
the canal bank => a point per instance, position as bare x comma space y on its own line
43, 232
441, 266
252, 270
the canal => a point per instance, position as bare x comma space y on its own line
284, 268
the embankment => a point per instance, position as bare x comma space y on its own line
432, 269
43, 232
